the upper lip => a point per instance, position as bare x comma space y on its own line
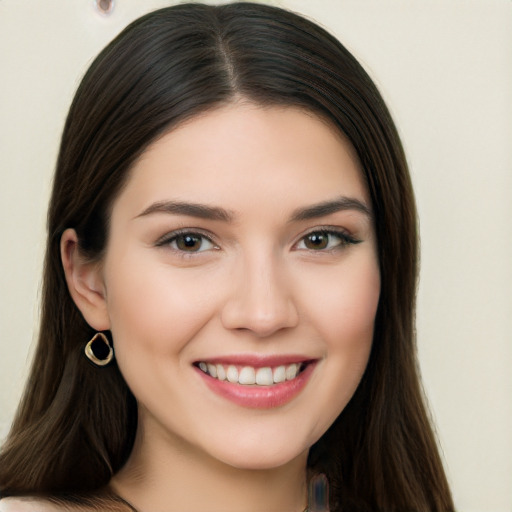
258, 360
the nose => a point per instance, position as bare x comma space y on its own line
260, 300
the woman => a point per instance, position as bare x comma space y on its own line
233, 214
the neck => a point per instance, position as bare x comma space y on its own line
169, 476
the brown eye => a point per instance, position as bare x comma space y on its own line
316, 241
191, 242
326, 240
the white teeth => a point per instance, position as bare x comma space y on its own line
264, 377
279, 374
291, 371
232, 374
247, 376
221, 373
212, 370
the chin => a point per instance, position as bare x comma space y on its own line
263, 457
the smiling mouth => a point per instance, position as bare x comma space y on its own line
250, 375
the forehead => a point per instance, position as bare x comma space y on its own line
241, 154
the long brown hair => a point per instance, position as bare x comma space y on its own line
76, 424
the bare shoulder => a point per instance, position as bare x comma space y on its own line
26, 504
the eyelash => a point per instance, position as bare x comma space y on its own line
172, 238
344, 239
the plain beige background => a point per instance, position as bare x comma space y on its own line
445, 68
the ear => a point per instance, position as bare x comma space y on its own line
85, 282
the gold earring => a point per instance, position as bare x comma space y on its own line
98, 350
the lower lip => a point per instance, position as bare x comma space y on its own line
259, 397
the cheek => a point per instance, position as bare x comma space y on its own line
155, 311
155, 308
344, 315
344, 308
349, 334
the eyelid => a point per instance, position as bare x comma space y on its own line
346, 237
166, 239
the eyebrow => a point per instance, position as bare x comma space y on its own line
203, 211
328, 207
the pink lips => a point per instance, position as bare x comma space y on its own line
259, 397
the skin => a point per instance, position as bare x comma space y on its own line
259, 285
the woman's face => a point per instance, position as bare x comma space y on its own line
242, 249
